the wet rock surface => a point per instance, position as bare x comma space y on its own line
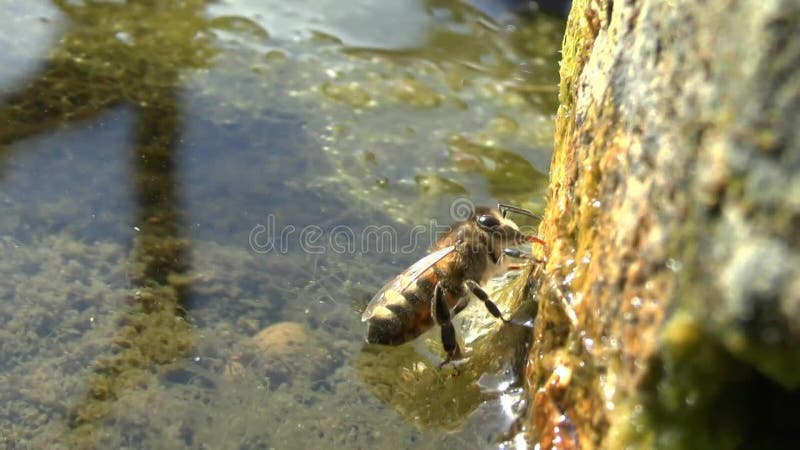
670, 295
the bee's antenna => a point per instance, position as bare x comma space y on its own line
505, 209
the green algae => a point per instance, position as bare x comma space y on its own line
508, 174
698, 395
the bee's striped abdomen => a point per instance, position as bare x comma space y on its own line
400, 317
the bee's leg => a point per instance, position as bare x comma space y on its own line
519, 254
515, 253
441, 315
484, 297
463, 303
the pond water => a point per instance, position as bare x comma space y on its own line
199, 198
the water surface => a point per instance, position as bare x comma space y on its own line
147, 147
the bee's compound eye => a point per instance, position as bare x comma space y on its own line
487, 221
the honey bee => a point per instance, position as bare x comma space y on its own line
438, 286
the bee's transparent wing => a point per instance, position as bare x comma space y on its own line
401, 282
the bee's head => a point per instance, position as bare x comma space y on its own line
499, 229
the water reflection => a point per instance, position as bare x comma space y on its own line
110, 54
224, 117
469, 87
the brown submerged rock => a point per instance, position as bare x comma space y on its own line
282, 338
283, 353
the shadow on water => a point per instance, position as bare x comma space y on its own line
109, 57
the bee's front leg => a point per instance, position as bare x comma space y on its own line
515, 253
441, 315
476, 289
519, 254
